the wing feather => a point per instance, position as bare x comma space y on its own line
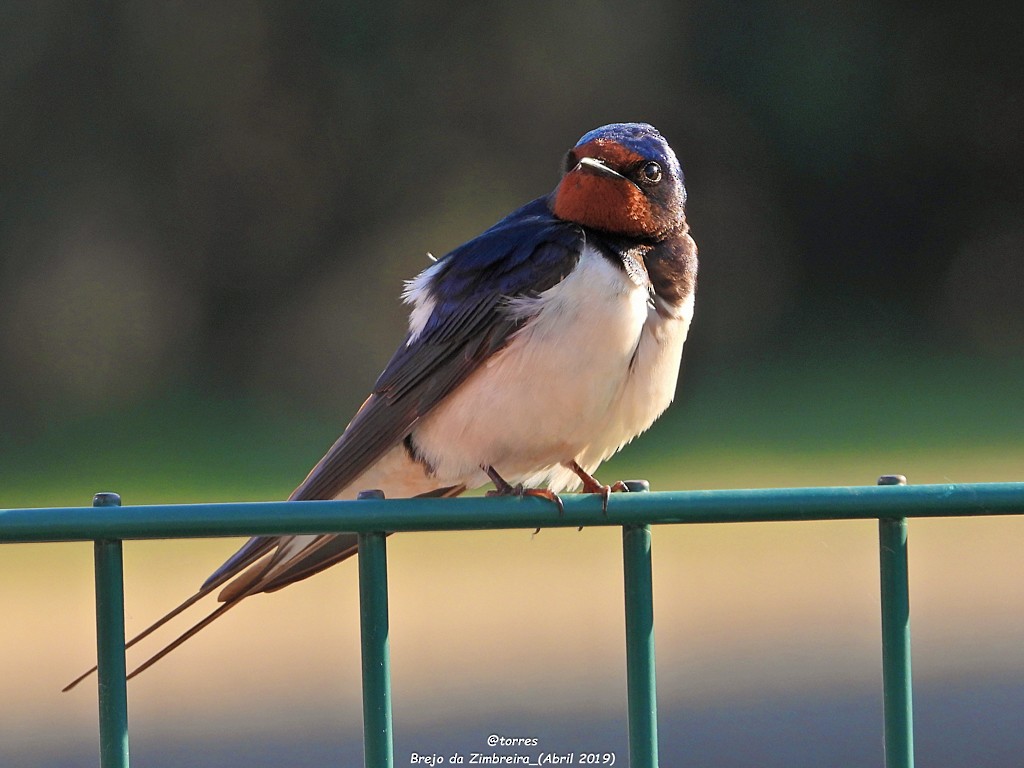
525, 254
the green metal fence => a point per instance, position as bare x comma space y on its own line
891, 502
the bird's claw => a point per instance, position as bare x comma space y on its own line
592, 485
520, 491
606, 491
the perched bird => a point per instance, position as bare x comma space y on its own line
535, 351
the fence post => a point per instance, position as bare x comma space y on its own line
111, 682
378, 740
896, 675
640, 676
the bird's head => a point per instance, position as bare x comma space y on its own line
623, 179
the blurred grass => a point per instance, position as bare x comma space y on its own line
799, 421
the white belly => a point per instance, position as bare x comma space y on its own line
564, 388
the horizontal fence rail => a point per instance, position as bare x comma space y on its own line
172, 521
107, 524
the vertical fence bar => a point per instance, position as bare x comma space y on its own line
640, 676
896, 674
378, 741
111, 682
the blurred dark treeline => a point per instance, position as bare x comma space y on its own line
226, 196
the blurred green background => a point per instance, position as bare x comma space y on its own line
206, 215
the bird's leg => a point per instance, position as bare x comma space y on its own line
592, 485
502, 488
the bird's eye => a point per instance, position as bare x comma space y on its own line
652, 172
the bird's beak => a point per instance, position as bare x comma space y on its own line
597, 167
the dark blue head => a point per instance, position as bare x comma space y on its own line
624, 179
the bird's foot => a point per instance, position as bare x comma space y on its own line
518, 490
592, 485
503, 488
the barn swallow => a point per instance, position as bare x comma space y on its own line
535, 351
